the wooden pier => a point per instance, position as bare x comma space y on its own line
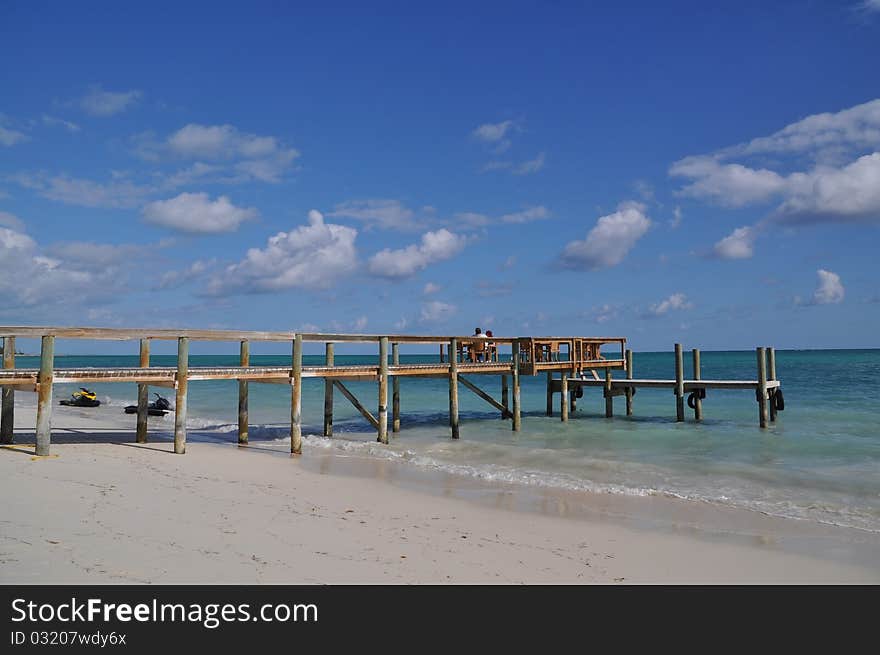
460, 358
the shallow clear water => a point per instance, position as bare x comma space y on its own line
821, 461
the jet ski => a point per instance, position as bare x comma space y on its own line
158, 407
82, 398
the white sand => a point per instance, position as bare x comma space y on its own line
104, 509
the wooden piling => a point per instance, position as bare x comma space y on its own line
244, 359
453, 387
563, 396
44, 396
771, 375
182, 382
441, 353
383, 390
7, 405
143, 395
679, 384
629, 376
549, 393
517, 418
698, 402
296, 397
395, 390
329, 360
762, 387
505, 396
609, 399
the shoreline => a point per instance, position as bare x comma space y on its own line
547, 535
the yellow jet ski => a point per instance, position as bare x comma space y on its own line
82, 398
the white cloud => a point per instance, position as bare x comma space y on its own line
174, 279
312, 256
11, 221
472, 219
235, 156
492, 288
530, 166
437, 312
52, 121
843, 184
829, 290
29, 278
118, 193
98, 102
434, 247
677, 301
871, 5
527, 215
360, 323
739, 244
610, 240
676, 218
378, 212
10, 137
431, 288
196, 213
493, 132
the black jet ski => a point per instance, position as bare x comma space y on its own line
158, 407
82, 398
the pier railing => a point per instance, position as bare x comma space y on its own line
504, 356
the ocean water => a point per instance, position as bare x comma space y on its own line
819, 462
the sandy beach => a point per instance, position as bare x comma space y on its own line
105, 510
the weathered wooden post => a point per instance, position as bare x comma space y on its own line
609, 399
143, 395
383, 390
679, 384
453, 387
296, 397
7, 406
441, 353
182, 382
517, 418
762, 387
44, 396
698, 401
629, 376
550, 393
329, 360
505, 393
563, 396
244, 359
395, 390
572, 394
771, 375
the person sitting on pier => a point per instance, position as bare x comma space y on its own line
477, 349
491, 348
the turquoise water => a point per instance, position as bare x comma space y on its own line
819, 462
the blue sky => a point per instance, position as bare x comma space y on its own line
699, 172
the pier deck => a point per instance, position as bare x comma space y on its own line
508, 357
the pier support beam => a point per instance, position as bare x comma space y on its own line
550, 393
771, 375
44, 396
563, 396
7, 405
244, 359
357, 404
329, 360
762, 387
453, 387
698, 402
182, 382
485, 396
383, 390
143, 395
296, 397
609, 399
517, 418
572, 394
505, 397
629, 376
679, 384
395, 390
